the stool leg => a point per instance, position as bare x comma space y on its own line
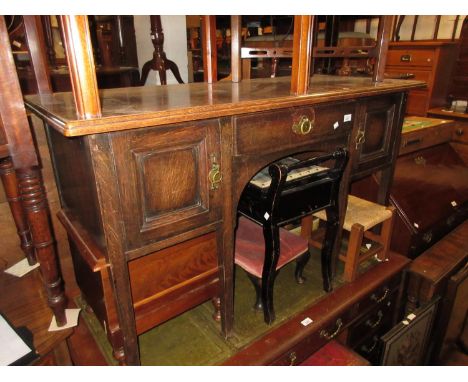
352, 254
386, 235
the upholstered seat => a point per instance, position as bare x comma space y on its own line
287, 190
250, 247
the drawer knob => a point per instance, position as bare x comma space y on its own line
303, 127
459, 132
329, 336
381, 298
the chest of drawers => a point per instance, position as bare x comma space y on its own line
431, 62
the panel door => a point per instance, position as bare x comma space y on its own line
378, 132
164, 179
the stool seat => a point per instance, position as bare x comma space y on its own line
364, 212
361, 216
250, 247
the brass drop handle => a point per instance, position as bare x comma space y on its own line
303, 127
459, 132
329, 336
376, 323
368, 350
292, 358
380, 299
215, 176
360, 138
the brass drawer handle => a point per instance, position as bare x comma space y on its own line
215, 176
376, 323
383, 297
410, 142
303, 127
292, 358
420, 160
427, 237
360, 138
370, 349
328, 336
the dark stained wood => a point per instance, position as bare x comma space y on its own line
128, 108
436, 265
37, 47
81, 65
302, 48
30, 186
383, 39
113, 233
275, 347
13, 115
10, 184
210, 65
159, 62
167, 172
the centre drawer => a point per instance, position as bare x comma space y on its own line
265, 132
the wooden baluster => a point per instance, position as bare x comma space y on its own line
302, 54
381, 49
31, 191
37, 47
210, 65
49, 36
236, 38
10, 184
159, 62
79, 51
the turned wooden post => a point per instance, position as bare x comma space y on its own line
31, 192
36, 209
10, 184
160, 62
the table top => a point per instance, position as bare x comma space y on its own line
136, 107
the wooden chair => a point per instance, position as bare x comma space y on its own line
361, 217
291, 191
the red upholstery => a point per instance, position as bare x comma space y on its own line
250, 247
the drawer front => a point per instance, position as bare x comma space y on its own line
165, 179
460, 133
380, 296
261, 132
333, 328
420, 139
377, 321
411, 57
411, 73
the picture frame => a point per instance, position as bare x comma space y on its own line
407, 344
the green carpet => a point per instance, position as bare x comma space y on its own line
194, 338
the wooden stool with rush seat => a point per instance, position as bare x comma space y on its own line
361, 217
